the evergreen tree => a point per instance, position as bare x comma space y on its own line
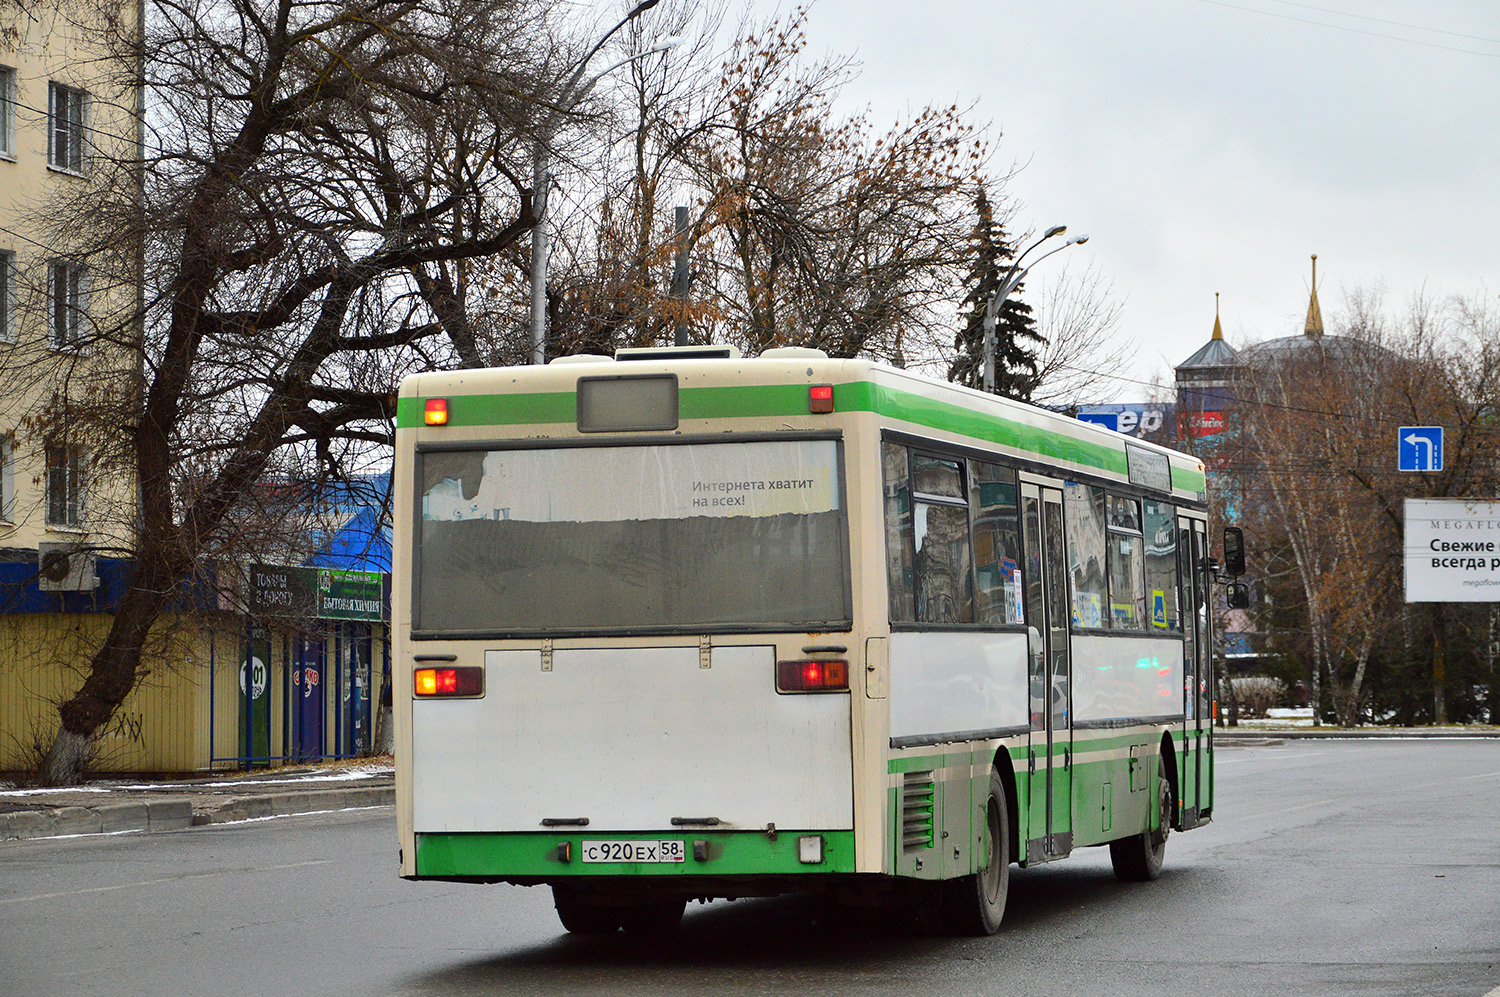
1016, 337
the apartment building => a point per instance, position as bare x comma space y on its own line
69, 111
70, 129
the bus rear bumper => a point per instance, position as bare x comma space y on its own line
534, 858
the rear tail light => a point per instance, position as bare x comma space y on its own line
430, 683
435, 412
813, 675
820, 399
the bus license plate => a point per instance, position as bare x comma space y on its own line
634, 851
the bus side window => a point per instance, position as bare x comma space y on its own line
1127, 594
1083, 507
900, 572
998, 598
1160, 529
940, 531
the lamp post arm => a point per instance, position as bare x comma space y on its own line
1008, 283
1012, 280
635, 12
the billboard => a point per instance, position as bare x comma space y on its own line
318, 593
1132, 419
1452, 550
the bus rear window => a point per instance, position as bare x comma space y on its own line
681, 537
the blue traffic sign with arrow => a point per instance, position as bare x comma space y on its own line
1419, 448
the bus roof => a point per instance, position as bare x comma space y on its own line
542, 400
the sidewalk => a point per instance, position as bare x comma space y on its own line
116, 806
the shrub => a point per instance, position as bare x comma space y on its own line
1257, 694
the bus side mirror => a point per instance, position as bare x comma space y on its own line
1234, 551
1237, 595
1034, 639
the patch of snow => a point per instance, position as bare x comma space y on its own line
342, 775
353, 774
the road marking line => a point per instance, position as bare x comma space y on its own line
158, 882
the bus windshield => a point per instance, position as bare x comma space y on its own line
662, 537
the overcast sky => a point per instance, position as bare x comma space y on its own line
1212, 146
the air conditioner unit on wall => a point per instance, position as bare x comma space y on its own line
65, 567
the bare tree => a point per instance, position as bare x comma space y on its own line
1320, 489
806, 226
1077, 316
314, 180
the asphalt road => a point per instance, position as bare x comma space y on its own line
1333, 868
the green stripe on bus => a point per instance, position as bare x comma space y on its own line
731, 853
762, 401
746, 402
494, 410
870, 397
1189, 479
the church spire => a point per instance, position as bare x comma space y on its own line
1314, 327
1218, 329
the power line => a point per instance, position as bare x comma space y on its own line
1352, 30
1381, 20
1246, 402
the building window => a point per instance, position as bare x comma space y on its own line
7, 482
67, 290
7, 296
65, 116
7, 111
65, 485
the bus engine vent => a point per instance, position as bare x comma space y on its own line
916, 810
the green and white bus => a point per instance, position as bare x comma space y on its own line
683, 625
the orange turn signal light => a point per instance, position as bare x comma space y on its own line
435, 412
437, 682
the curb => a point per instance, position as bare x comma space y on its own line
289, 804
175, 812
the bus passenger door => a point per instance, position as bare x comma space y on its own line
1049, 824
1195, 755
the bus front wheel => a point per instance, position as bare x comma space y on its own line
975, 904
1138, 858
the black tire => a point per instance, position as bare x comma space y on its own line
658, 917
1139, 858
584, 916
975, 904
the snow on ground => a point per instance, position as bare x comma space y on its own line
1280, 718
352, 773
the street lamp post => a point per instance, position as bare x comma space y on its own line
572, 93
1012, 280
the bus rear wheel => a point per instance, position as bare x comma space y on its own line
582, 915
656, 917
1139, 858
975, 904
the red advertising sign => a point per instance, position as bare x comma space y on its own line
1195, 424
